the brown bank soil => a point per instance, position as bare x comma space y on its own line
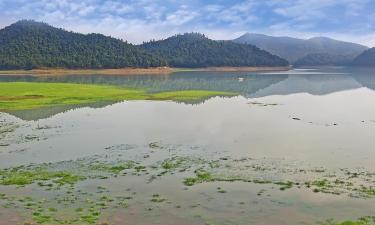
135, 71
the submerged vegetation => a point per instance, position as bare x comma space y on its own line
148, 177
368, 220
23, 95
156, 161
23, 176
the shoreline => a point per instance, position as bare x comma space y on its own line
237, 69
135, 71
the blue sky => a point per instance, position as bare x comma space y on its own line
142, 20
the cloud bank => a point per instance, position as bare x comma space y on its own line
141, 20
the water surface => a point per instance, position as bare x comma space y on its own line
295, 120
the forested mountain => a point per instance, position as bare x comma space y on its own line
323, 59
29, 44
367, 58
294, 49
196, 50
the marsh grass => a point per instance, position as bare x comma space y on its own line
28, 95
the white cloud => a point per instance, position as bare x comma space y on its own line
181, 16
142, 20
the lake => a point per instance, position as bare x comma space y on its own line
293, 147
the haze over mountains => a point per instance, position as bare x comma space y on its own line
313, 51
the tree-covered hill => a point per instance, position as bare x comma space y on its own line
367, 58
196, 50
29, 44
324, 59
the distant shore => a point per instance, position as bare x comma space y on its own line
238, 69
136, 71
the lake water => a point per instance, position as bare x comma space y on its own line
303, 126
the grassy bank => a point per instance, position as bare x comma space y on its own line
23, 95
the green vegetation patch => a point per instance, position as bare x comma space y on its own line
27, 95
23, 176
368, 220
201, 177
65, 173
285, 177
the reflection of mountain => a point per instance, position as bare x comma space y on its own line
317, 84
43, 113
364, 76
238, 82
243, 83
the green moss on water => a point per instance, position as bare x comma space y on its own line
369, 191
91, 217
368, 220
23, 176
285, 184
173, 163
41, 218
121, 167
87, 208
156, 198
28, 95
201, 176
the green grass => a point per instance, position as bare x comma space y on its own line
24, 95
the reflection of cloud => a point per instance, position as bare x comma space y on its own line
141, 20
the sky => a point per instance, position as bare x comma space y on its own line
142, 20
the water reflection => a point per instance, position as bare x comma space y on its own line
318, 81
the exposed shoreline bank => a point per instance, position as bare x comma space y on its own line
136, 71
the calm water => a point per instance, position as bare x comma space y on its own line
317, 118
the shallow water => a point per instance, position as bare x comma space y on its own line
287, 121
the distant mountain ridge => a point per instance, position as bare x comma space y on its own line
196, 50
294, 49
367, 58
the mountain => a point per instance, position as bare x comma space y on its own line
294, 49
323, 59
196, 50
28, 44
367, 58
